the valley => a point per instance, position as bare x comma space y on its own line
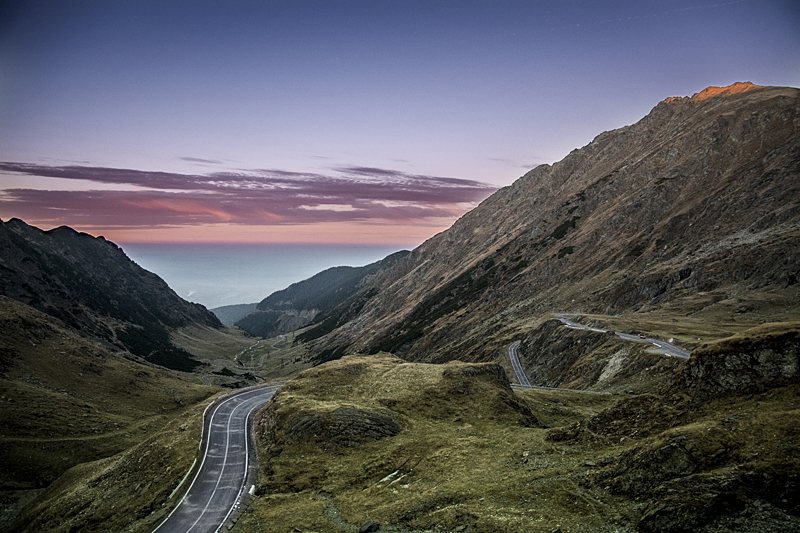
642, 295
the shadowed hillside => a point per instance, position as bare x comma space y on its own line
319, 300
91, 285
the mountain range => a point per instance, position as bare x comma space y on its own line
684, 225
692, 211
90, 284
97, 355
313, 300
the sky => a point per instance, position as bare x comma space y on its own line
336, 122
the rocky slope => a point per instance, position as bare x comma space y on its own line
696, 201
556, 356
92, 286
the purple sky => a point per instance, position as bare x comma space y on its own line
336, 120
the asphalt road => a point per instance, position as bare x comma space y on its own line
522, 378
660, 346
513, 354
227, 470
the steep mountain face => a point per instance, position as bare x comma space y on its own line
307, 302
699, 198
92, 286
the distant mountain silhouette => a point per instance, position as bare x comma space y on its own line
310, 301
230, 314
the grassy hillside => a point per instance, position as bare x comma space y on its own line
66, 401
472, 456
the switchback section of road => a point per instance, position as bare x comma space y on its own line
513, 354
660, 346
227, 468
522, 377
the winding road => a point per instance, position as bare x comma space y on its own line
661, 346
522, 378
513, 354
227, 469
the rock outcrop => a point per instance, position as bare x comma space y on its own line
752, 362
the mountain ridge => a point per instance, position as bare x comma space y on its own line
307, 302
695, 197
91, 285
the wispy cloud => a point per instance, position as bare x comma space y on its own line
201, 161
251, 197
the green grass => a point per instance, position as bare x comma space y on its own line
465, 462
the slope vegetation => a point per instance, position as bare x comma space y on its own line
375, 441
68, 401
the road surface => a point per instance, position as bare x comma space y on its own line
227, 469
522, 377
513, 354
661, 346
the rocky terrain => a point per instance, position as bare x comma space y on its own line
693, 209
556, 356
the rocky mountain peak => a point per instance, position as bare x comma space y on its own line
735, 88
90, 284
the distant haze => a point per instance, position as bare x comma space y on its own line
216, 275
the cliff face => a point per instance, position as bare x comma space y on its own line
92, 286
698, 197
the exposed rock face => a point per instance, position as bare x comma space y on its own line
700, 196
767, 357
556, 356
343, 426
701, 450
688, 480
91, 285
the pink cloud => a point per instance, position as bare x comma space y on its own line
271, 197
